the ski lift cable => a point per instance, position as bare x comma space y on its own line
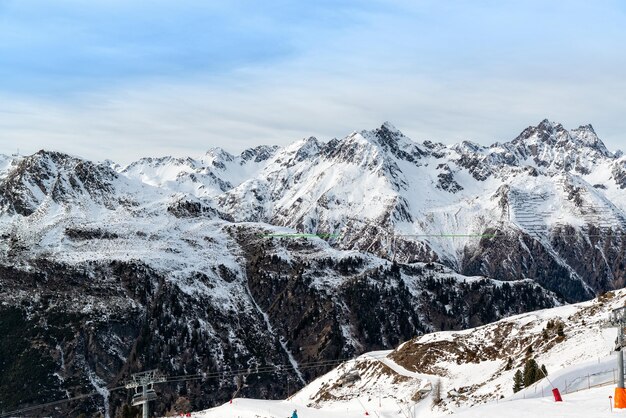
58, 402
182, 378
265, 369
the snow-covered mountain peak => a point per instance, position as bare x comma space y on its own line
554, 135
387, 135
551, 149
586, 136
546, 132
315, 186
259, 154
54, 176
213, 173
303, 149
48, 164
375, 149
585, 128
413, 237
360, 148
5, 163
218, 153
464, 147
158, 162
390, 127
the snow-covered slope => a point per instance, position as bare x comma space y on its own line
593, 403
477, 365
414, 237
215, 172
469, 368
380, 192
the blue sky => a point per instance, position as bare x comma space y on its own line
122, 79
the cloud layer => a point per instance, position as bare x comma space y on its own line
122, 80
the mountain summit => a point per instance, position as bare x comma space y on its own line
286, 256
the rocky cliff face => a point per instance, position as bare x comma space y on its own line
183, 264
51, 176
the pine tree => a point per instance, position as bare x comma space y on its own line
531, 372
544, 371
518, 381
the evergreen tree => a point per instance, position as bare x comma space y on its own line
531, 372
518, 381
544, 371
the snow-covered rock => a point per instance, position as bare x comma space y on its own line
188, 265
470, 373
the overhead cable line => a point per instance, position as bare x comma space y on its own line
204, 376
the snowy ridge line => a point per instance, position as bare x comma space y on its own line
180, 220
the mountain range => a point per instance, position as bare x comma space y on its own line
285, 256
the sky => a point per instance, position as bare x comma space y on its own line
122, 79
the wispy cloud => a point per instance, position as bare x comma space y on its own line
124, 79
188, 119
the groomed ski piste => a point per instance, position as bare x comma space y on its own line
585, 403
582, 365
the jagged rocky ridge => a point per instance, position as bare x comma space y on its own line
169, 263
